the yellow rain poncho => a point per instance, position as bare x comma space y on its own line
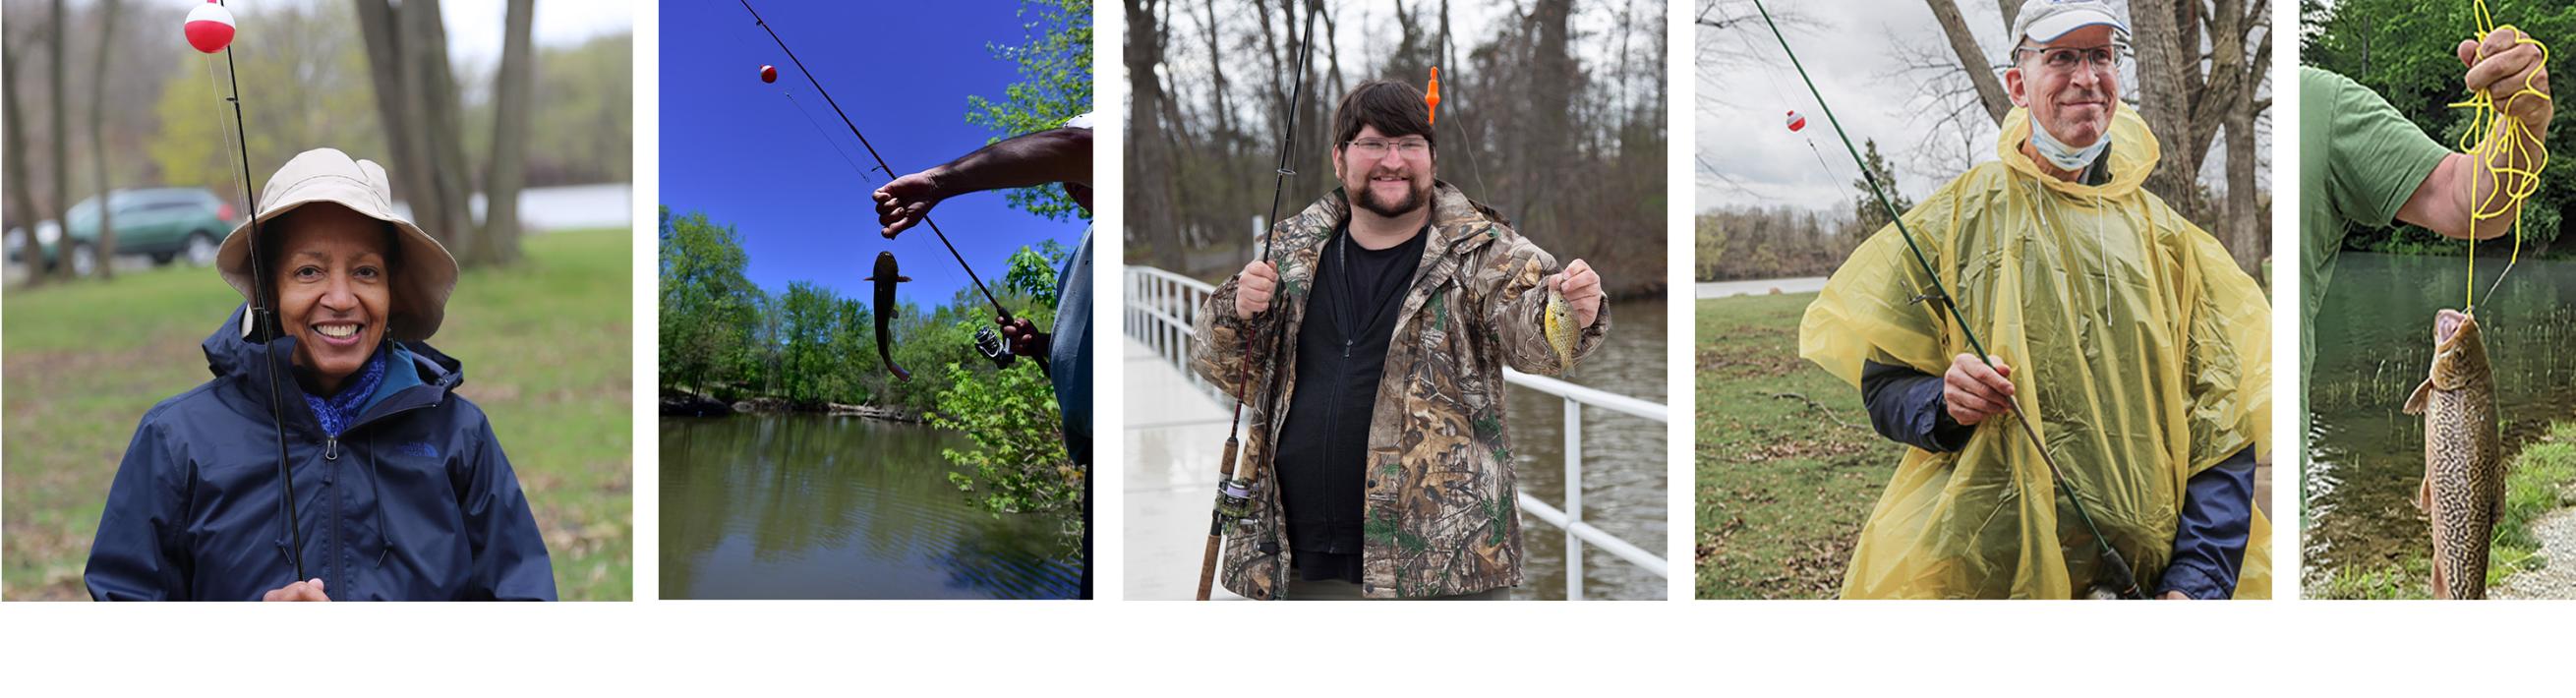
2139, 350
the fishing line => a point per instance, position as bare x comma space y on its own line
1777, 92
2114, 565
2487, 119
750, 48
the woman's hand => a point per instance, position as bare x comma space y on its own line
299, 591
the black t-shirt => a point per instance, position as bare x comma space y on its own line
1341, 353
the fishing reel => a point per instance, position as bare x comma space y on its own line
990, 344
1234, 501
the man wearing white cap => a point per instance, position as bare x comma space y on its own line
2125, 334
394, 487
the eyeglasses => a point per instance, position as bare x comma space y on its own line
1412, 148
2104, 58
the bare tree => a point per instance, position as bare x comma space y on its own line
1149, 146
98, 139
505, 171
22, 196
416, 98
61, 142
1972, 59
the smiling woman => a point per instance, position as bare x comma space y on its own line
408, 496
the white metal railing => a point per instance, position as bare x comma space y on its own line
1160, 312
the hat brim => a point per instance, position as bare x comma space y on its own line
2063, 23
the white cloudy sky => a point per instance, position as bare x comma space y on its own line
474, 26
1857, 51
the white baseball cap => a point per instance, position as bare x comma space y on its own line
2043, 21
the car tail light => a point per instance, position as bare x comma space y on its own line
224, 212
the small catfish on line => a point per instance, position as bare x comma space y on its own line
886, 277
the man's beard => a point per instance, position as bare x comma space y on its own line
1368, 199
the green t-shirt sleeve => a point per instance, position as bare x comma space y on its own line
2375, 158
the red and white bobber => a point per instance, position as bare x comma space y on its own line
209, 27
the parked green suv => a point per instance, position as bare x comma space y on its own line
167, 224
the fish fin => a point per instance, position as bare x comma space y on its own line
901, 279
869, 278
2424, 494
2441, 582
2415, 403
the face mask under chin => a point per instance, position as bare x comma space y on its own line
2063, 156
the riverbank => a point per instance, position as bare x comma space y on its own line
2534, 555
682, 402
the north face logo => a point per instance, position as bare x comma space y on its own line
417, 449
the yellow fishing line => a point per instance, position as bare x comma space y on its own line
2524, 155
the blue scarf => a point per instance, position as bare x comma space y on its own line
337, 411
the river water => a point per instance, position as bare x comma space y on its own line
1624, 458
803, 506
2374, 338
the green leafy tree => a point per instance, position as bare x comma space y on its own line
1865, 207
807, 361
1018, 463
2407, 52
709, 309
1032, 272
1054, 60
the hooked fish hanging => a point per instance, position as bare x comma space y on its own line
886, 276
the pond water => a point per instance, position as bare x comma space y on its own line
803, 506
2374, 344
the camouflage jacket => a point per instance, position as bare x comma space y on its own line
1441, 515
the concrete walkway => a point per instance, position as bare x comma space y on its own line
1175, 436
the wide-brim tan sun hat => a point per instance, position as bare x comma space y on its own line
421, 284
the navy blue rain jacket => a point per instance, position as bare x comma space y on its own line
413, 501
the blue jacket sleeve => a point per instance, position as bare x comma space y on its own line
2209, 544
138, 554
1905, 405
510, 562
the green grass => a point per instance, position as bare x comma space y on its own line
547, 353
1782, 485
2535, 485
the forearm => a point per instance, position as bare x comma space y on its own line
1217, 340
1052, 156
2210, 538
1905, 405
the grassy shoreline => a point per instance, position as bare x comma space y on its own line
1786, 468
2537, 483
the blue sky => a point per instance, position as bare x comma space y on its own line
741, 152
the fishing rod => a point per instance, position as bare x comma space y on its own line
881, 161
210, 31
2120, 580
1234, 494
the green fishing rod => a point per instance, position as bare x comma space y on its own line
2118, 579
